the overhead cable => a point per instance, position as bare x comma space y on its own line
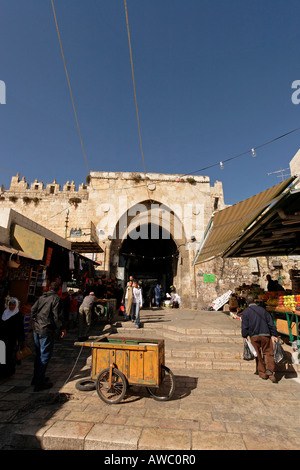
69, 84
134, 88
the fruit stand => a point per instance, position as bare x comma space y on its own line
285, 310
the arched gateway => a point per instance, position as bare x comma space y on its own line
152, 226
146, 225
147, 242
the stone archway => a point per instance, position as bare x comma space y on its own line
149, 240
151, 261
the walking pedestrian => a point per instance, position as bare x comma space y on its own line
137, 303
48, 318
127, 300
12, 334
258, 325
158, 294
85, 315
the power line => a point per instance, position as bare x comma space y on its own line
67, 75
134, 89
214, 164
250, 151
243, 153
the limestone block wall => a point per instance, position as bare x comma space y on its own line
48, 205
231, 273
192, 200
109, 195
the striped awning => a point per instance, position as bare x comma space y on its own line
227, 225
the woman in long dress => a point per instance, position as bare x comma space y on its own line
12, 334
128, 297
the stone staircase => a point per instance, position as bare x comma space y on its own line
205, 348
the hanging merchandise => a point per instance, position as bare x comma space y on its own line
14, 261
71, 260
48, 256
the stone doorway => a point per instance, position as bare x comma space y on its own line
150, 260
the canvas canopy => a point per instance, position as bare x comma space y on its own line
229, 225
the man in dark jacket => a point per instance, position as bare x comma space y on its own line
48, 320
258, 325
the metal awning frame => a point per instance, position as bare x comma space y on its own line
258, 213
254, 229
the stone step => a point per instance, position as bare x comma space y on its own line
180, 334
199, 349
223, 364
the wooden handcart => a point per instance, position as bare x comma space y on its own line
120, 362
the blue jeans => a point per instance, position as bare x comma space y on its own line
135, 312
43, 352
125, 312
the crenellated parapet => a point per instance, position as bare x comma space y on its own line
19, 187
17, 184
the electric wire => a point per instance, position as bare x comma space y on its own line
137, 113
69, 85
224, 160
206, 167
135, 98
243, 153
134, 88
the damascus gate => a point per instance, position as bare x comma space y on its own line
145, 225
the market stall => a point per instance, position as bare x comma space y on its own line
284, 307
285, 310
267, 224
31, 257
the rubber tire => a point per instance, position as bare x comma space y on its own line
151, 390
86, 385
123, 383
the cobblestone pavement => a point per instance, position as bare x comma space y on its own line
214, 407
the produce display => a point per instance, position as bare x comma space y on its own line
281, 301
252, 289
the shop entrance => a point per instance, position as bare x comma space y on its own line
149, 260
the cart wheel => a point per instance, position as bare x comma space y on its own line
167, 387
116, 392
85, 385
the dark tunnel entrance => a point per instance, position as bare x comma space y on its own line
149, 260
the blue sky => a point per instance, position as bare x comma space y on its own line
213, 79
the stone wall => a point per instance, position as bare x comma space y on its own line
48, 205
230, 273
108, 195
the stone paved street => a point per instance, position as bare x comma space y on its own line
218, 404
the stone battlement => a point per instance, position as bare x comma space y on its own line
38, 189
